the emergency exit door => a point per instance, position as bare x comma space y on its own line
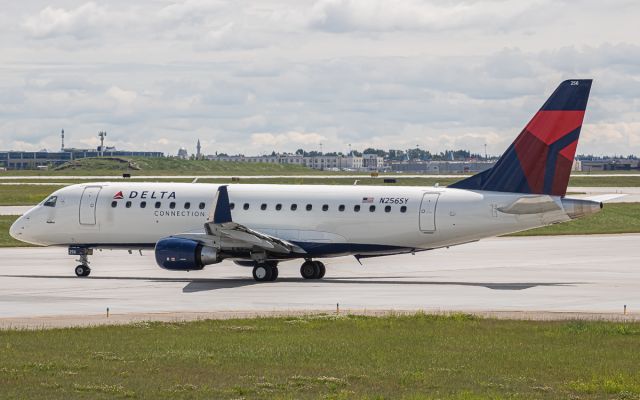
428, 212
88, 203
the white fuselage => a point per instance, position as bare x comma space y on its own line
390, 219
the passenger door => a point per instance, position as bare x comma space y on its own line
428, 212
88, 203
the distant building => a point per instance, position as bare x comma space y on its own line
198, 152
609, 164
40, 159
182, 153
372, 162
322, 162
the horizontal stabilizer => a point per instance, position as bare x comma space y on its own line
604, 198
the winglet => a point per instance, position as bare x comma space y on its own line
222, 210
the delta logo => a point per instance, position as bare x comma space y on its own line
146, 194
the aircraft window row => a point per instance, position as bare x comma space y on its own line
325, 207
143, 204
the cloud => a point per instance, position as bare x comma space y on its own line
253, 77
380, 15
289, 139
81, 22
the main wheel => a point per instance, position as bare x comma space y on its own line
262, 272
82, 270
310, 270
274, 273
322, 270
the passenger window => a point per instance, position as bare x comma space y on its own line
278, 207
372, 208
201, 206
294, 207
263, 207
387, 209
356, 208
403, 209
172, 205
114, 204
309, 207
187, 205
245, 206
127, 204
232, 206
158, 204
341, 208
143, 204
325, 207
51, 201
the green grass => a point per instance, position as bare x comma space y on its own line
412, 357
613, 218
613, 181
18, 195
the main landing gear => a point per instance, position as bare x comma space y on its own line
312, 270
83, 253
265, 271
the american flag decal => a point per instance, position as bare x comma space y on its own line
367, 199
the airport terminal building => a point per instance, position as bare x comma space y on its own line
45, 159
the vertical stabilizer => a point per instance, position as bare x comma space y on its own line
539, 161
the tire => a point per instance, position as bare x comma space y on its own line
274, 273
322, 268
82, 270
309, 270
262, 272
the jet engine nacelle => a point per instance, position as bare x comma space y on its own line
179, 254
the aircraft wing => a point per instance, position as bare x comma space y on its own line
222, 232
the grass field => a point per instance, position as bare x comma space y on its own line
18, 195
614, 218
331, 357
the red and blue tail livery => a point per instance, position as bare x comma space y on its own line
539, 161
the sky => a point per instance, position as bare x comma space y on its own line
252, 77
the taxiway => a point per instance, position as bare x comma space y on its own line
574, 274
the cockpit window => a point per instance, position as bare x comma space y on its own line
51, 201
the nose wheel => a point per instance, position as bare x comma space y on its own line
312, 270
83, 270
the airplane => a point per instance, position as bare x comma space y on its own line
193, 225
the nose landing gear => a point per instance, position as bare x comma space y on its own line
83, 253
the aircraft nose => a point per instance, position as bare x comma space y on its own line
16, 228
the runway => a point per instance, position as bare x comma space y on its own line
574, 274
